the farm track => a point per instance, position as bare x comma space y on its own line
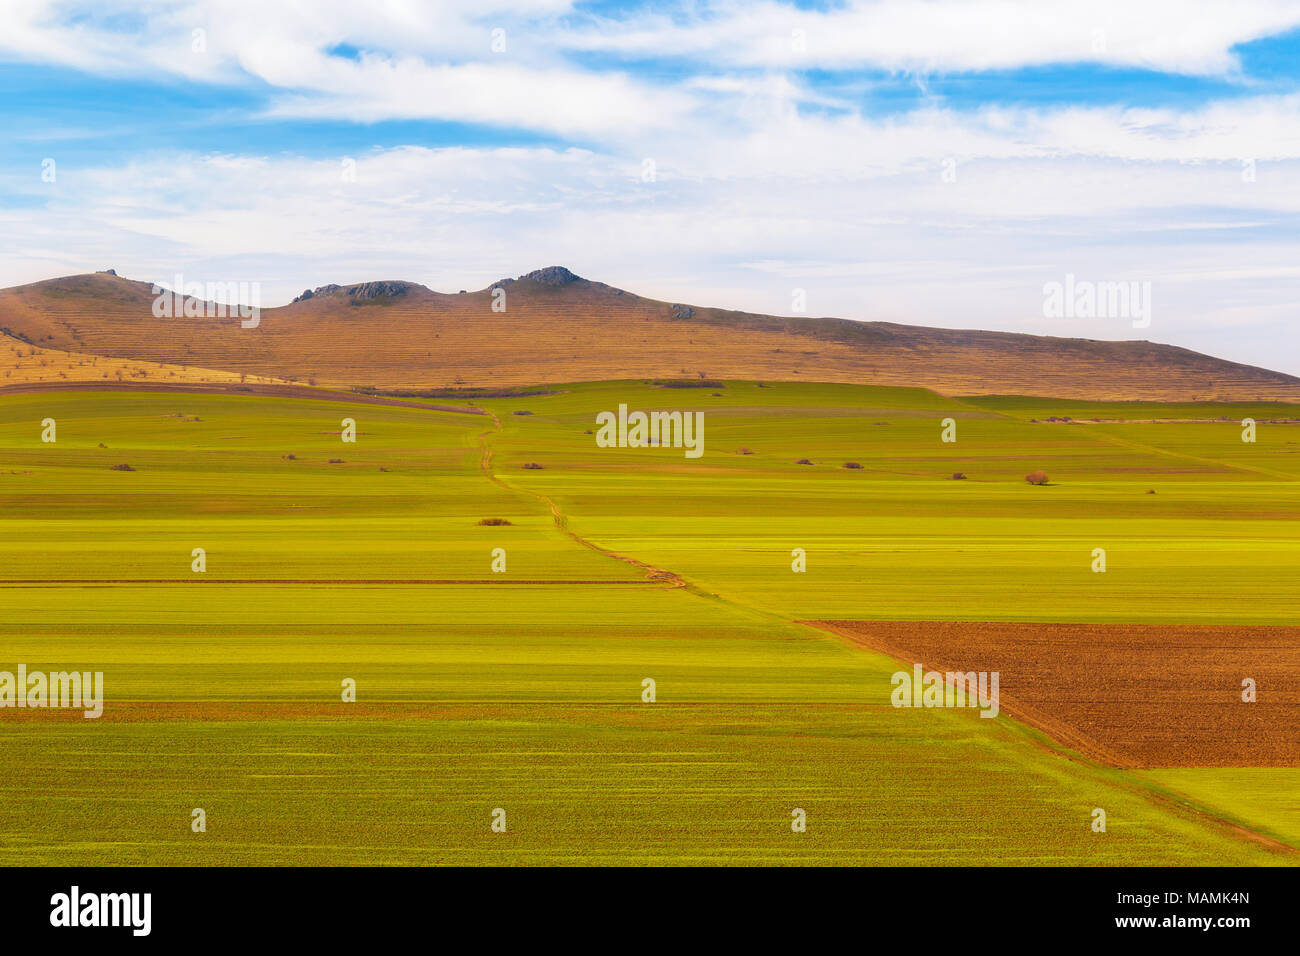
1056, 737
657, 575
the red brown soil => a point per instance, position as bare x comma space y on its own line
1129, 694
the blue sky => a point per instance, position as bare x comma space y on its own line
928, 162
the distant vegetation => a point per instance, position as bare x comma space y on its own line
452, 392
689, 383
1036, 477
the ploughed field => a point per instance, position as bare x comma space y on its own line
1129, 694
520, 686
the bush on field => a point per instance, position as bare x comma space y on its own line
495, 522
853, 465
958, 476
533, 466
1036, 477
123, 468
803, 461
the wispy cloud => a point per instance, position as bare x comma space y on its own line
720, 153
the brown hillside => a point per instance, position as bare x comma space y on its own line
559, 328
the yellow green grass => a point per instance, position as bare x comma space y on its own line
522, 690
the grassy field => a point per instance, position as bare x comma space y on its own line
522, 689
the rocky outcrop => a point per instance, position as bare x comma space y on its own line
312, 293
552, 276
378, 290
360, 292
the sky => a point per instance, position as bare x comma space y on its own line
944, 163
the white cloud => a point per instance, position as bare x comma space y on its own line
763, 183
880, 237
1177, 36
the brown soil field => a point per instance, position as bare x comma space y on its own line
1127, 694
573, 330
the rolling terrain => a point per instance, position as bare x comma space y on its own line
522, 688
557, 327
499, 586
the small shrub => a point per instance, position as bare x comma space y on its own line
853, 465
745, 451
1036, 477
803, 461
522, 412
122, 467
958, 476
533, 466
336, 461
494, 522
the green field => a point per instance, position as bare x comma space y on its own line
522, 689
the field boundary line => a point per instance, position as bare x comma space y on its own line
1094, 430
1066, 742
236, 390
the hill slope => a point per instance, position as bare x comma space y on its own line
556, 327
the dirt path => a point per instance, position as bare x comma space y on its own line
657, 575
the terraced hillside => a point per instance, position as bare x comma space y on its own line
552, 326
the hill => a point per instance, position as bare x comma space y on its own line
551, 326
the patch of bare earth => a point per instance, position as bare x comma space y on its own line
1132, 695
